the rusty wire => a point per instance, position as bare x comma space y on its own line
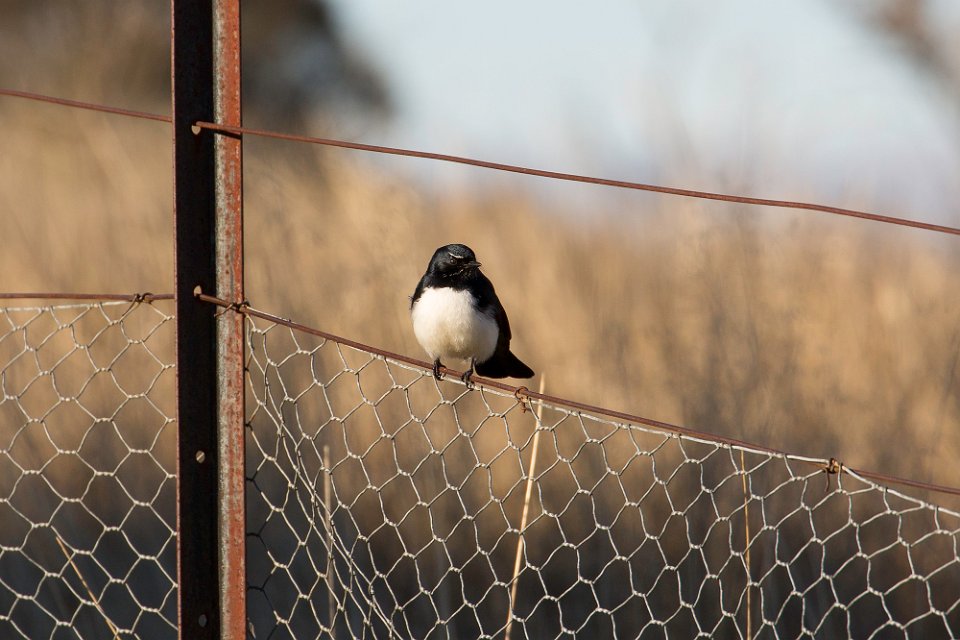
103, 297
89, 106
572, 177
831, 466
498, 166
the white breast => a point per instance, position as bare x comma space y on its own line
447, 324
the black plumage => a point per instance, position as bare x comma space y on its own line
454, 271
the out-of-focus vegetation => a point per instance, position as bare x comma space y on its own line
804, 332
296, 64
818, 335
825, 336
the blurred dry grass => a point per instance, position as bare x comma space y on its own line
821, 336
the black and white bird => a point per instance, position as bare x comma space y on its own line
456, 314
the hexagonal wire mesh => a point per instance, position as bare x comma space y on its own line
87, 462
384, 504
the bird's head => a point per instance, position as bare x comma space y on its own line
453, 260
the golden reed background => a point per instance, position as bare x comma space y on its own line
817, 335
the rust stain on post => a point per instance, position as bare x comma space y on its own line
230, 326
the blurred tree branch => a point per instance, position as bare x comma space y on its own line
296, 61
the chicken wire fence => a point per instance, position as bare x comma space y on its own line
383, 504
87, 463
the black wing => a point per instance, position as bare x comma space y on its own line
503, 363
488, 301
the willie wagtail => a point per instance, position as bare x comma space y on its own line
456, 314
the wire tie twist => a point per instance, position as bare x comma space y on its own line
523, 397
833, 467
239, 307
137, 299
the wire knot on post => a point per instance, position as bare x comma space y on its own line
239, 307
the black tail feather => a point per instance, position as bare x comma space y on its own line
504, 365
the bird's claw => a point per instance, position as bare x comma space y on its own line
465, 377
468, 374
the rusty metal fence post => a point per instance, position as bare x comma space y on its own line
209, 255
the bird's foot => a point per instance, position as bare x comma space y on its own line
468, 374
436, 369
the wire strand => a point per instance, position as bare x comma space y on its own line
498, 166
131, 297
572, 177
246, 309
89, 106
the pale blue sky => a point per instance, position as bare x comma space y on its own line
778, 98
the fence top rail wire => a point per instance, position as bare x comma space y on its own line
572, 177
122, 297
498, 166
831, 466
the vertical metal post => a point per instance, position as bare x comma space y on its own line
209, 244
230, 326
193, 198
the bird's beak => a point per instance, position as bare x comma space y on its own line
474, 263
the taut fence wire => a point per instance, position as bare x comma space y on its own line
830, 466
498, 166
101, 297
